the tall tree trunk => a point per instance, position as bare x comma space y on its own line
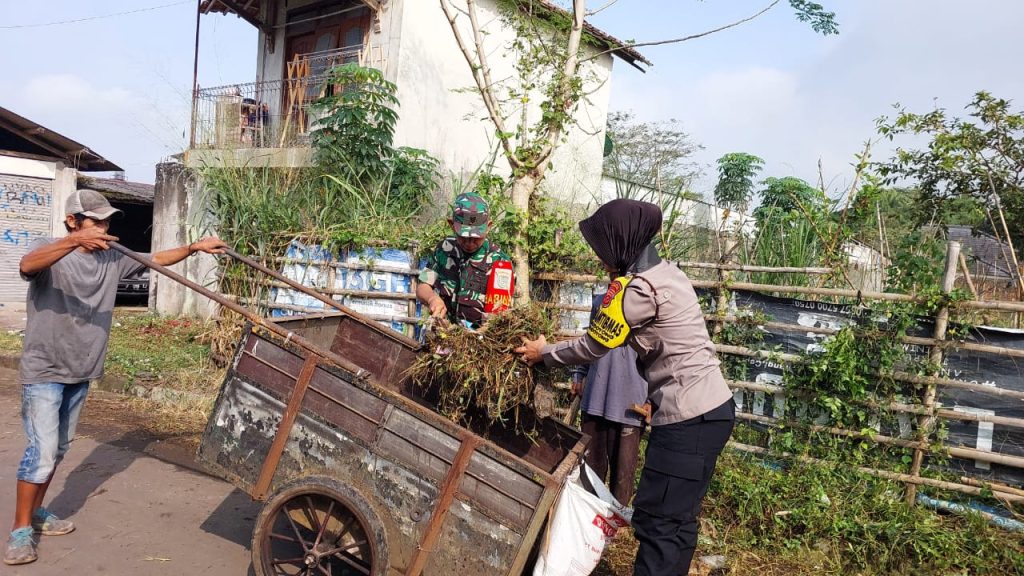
523, 187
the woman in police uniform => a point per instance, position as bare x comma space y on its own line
652, 307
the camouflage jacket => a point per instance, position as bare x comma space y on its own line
461, 279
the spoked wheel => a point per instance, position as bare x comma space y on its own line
318, 527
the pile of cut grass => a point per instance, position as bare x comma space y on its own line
476, 374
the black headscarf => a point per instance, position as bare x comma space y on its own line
620, 231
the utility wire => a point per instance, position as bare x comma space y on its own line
94, 17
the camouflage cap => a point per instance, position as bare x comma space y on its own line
470, 216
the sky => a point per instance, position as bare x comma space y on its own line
121, 84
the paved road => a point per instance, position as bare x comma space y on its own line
136, 514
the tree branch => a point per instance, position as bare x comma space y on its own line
481, 74
606, 5
687, 38
572, 61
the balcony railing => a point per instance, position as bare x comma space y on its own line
268, 114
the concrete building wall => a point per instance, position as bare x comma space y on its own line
412, 42
441, 112
180, 217
692, 213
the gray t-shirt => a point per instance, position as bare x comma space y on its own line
70, 307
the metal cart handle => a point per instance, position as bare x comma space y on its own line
249, 315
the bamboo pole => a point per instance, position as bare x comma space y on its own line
899, 407
347, 292
967, 277
897, 375
724, 277
946, 344
414, 246
994, 486
905, 478
926, 422
750, 268
375, 267
1008, 306
953, 451
242, 300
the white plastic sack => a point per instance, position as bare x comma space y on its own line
582, 524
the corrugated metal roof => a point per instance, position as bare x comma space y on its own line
27, 136
988, 255
119, 190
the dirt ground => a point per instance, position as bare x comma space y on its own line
139, 505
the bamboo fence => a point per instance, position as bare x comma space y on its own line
927, 413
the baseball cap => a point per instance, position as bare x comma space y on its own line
90, 203
470, 216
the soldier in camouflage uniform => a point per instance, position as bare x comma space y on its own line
453, 284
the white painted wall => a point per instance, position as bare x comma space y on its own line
270, 65
693, 213
414, 45
439, 115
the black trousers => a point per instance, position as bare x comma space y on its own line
680, 459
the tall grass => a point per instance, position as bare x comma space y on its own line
783, 242
259, 211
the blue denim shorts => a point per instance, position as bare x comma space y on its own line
49, 414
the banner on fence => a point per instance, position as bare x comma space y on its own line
383, 270
968, 365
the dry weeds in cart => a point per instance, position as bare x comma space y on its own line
476, 374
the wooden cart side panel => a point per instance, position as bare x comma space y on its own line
471, 544
465, 548
284, 429
508, 498
272, 356
384, 357
501, 478
345, 406
526, 457
319, 328
425, 449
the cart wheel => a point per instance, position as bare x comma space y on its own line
318, 526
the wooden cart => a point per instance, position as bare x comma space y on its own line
359, 474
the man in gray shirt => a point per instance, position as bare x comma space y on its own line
72, 286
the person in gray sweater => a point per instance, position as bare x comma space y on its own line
652, 307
